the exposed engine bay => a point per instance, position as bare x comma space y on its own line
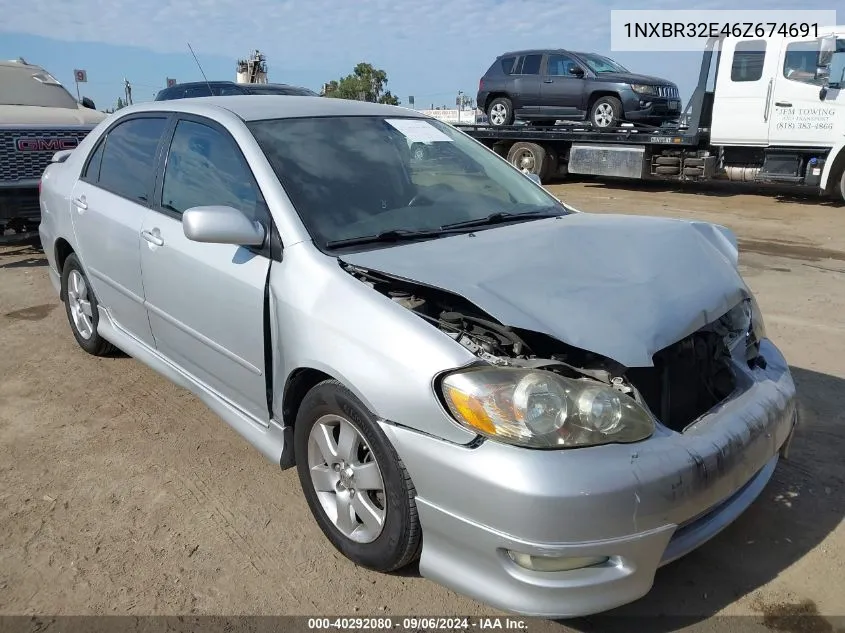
687, 380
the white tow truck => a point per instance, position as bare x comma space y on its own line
38, 117
765, 110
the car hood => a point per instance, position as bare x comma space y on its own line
36, 115
621, 286
634, 78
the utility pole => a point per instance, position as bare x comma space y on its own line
127, 90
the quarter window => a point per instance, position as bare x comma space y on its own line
92, 169
748, 60
129, 157
205, 169
507, 64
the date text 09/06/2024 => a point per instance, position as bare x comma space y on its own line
417, 623
720, 29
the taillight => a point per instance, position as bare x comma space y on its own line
39, 186
481, 84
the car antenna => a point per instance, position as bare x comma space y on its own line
200, 67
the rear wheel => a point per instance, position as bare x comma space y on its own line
842, 186
82, 309
606, 113
533, 159
500, 112
354, 482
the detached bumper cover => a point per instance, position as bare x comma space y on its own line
642, 505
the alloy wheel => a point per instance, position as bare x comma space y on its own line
80, 304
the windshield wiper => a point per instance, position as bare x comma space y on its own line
394, 235
500, 217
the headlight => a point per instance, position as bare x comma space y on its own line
540, 409
743, 324
643, 89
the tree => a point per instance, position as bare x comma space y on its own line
366, 83
120, 103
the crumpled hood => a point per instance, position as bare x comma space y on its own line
621, 286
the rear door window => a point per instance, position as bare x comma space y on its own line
530, 65
128, 161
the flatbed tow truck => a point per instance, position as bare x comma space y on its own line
766, 110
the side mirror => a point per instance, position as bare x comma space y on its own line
221, 225
836, 71
576, 70
827, 47
87, 103
535, 178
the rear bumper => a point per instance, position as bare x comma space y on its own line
641, 505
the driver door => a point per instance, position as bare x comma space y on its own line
206, 301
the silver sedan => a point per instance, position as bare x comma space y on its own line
541, 405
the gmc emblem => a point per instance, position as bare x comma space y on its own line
41, 144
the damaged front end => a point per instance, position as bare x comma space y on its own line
530, 389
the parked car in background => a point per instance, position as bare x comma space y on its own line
544, 86
543, 405
38, 117
226, 88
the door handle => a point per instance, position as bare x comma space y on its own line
80, 203
548, 81
783, 104
152, 237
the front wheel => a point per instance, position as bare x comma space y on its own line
842, 186
354, 482
606, 113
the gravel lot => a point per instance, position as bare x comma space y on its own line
122, 494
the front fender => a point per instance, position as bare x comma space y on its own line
835, 157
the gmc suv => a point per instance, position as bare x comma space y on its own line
544, 86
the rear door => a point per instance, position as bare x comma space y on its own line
108, 206
206, 301
525, 84
799, 116
742, 106
562, 93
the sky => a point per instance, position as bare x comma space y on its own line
430, 49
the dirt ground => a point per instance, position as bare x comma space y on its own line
122, 494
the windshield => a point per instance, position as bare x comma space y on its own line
599, 64
350, 177
32, 86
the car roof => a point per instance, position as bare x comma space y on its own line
259, 107
541, 51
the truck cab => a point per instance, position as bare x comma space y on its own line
778, 111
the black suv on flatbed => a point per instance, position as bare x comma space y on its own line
544, 86
223, 88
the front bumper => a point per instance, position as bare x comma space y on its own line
642, 505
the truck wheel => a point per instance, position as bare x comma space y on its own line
354, 482
82, 309
842, 186
532, 158
606, 112
500, 112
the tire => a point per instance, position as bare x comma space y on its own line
419, 151
842, 186
667, 170
385, 547
529, 157
606, 113
500, 112
79, 300
667, 160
